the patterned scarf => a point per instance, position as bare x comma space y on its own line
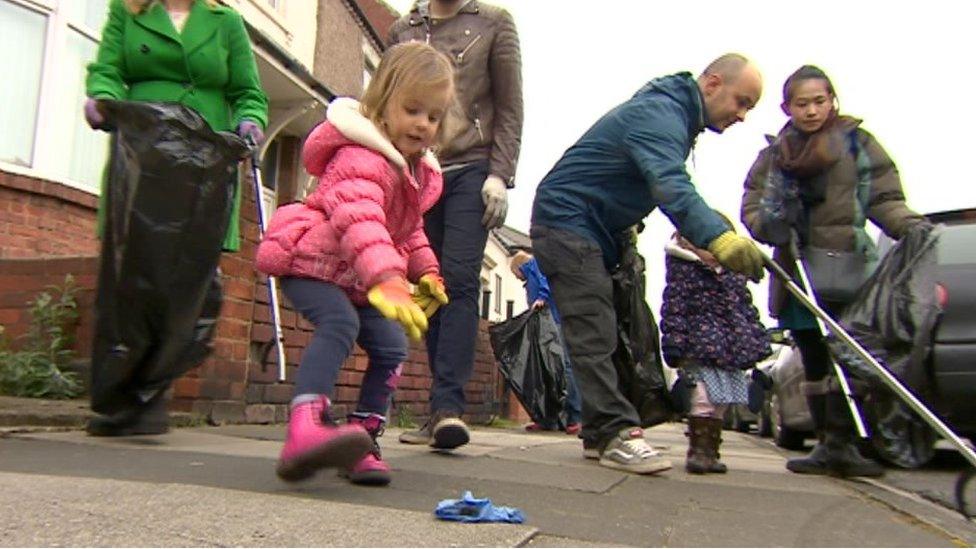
792, 183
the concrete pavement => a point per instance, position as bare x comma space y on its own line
215, 486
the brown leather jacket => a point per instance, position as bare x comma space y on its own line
482, 42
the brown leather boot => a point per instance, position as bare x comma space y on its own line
699, 460
713, 439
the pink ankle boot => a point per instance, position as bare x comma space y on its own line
371, 469
313, 442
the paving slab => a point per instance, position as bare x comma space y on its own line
42, 510
568, 500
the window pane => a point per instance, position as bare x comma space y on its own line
21, 31
85, 149
90, 13
269, 166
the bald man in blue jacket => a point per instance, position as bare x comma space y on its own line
630, 162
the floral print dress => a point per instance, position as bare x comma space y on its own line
709, 325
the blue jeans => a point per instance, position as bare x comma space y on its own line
458, 239
339, 324
574, 404
573, 407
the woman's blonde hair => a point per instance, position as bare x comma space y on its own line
139, 6
412, 67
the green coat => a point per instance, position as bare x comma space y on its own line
209, 67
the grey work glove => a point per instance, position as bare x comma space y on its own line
494, 193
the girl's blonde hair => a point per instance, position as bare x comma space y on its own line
413, 67
139, 6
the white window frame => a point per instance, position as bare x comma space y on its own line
498, 293
43, 158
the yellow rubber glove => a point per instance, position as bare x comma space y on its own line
392, 299
739, 254
430, 294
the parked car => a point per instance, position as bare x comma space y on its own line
951, 365
785, 415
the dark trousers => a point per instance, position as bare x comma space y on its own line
828, 407
458, 239
339, 324
583, 291
816, 356
813, 346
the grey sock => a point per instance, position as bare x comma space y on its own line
306, 397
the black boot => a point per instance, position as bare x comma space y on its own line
815, 463
843, 457
149, 418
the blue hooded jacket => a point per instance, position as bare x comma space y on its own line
537, 286
629, 162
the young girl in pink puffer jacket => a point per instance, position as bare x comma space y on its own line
346, 254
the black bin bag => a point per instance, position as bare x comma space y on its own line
530, 358
893, 317
637, 359
169, 195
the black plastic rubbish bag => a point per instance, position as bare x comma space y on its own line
893, 317
170, 188
637, 358
530, 355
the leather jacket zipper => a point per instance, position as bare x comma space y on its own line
477, 125
460, 56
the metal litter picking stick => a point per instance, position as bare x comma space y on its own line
862, 430
964, 447
279, 338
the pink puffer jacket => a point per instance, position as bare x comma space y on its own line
364, 221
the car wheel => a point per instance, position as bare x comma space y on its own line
790, 439
783, 436
738, 423
765, 423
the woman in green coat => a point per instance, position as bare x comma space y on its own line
194, 52
207, 65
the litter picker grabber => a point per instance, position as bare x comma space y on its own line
279, 338
964, 447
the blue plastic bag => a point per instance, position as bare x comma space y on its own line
472, 509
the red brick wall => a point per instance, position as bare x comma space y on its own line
380, 16
44, 218
338, 49
21, 280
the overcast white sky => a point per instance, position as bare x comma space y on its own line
905, 68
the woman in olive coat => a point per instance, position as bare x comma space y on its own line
813, 189
193, 52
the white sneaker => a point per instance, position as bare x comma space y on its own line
628, 451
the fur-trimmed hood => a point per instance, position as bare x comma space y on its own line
351, 127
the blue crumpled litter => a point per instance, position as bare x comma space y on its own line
472, 509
